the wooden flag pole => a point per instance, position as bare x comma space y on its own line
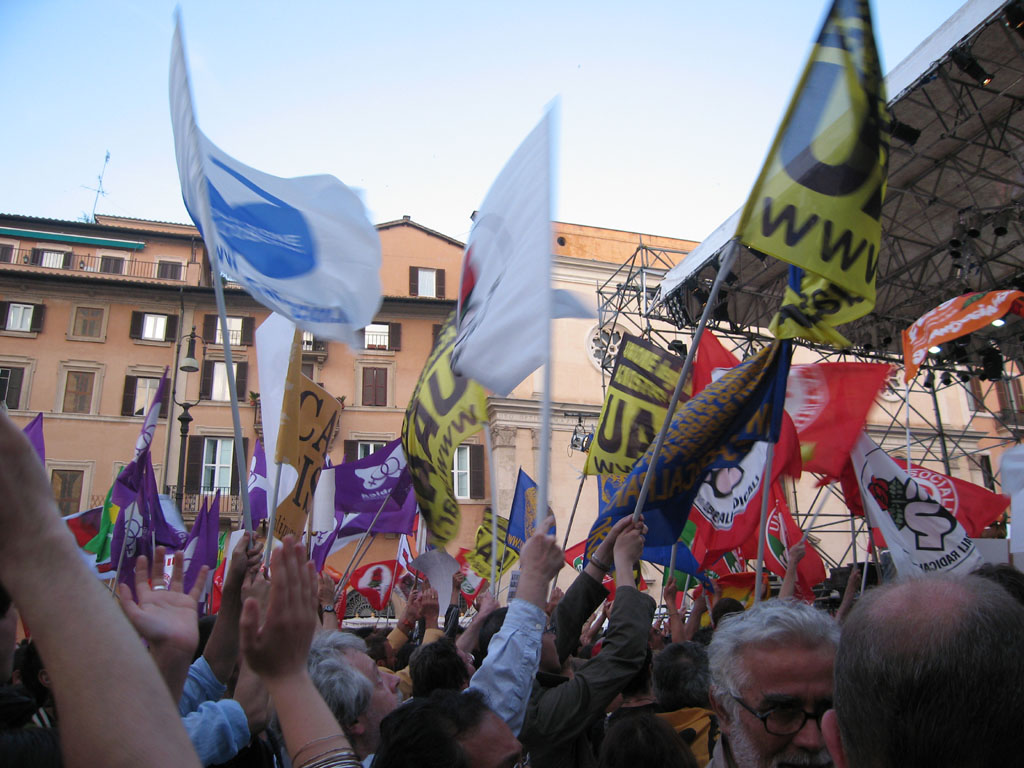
493, 472
572, 515
766, 482
671, 571
367, 533
272, 515
723, 271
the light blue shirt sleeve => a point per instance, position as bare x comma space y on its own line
506, 677
217, 729
200, 685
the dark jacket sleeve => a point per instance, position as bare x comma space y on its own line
563, 712
580, 601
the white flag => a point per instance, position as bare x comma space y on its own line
922, 535
301, 246
505, 297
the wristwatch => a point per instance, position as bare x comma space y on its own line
327, 608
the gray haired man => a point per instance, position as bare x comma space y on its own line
771, 682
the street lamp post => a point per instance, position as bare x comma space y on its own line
188, 365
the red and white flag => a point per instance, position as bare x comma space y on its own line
374, 582
474, 583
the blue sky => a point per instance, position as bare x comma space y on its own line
667, 108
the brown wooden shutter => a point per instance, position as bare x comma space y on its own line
476, 471
13, 398
6, 254
351, 450
194, 464
4, 308
37, 257
395, 336
1002, 396
171, 329
368, 386
165, 402
135, 329
128, 398
248, 324
67, 260
439, 283
206, 380
234, 465
976, 397
38, 313
241, 381
209, 328
435, 334
414, 281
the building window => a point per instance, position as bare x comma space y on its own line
6, 254
603, 345
88, 323
468, 472
139, 392
11, 380
112, 265
168, 270
376, 336
988, 478
67, 489
45, 257
234, 331
975, 395
368, 448
375, 386
78, 389
220, 390
19, 317
240, 330
428, 283
214, 385
153, 326
218, 459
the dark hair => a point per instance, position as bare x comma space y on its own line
376, 642
424, 733
681, 676
644, 739
927, 674
724, 607
29, 665
403, 655
703, 636
491, 627
1006, 576
641, 681
38, 747
437, 666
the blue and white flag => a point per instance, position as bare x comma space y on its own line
303, 247
522, 520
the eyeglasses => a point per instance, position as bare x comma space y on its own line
785, 719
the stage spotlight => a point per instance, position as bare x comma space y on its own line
1015, 18
677, 347
964, 376
929, 380
1001, 222
999, 322
992, 364
969, 65
936, 350
675, 306
947, 378
956, 240
905, 133
970, 219
886, 341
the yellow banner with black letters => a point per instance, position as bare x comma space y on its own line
817, 204
480, 558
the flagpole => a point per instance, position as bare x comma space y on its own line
572, 515
493, 471
272, 515
724, 270
814, 516
853, 538
671, 571
762, 535
355, 563
370, 526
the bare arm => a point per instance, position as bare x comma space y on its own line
76, 624
675, 621
326, 587
693, 620
796, 554
849, 594
468, 639
221, 651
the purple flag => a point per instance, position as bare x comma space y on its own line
34, 432
201, 545
363, 487
258, 485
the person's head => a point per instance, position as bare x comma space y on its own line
490, 627
725, 607
928, 674
645, 740
640, 683
1006, 576
446, 730
771, 680
357, 691
32, 673
438, 666
681, 676
380, 650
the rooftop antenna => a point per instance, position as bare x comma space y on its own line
98, 189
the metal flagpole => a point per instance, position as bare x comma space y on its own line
766, 482
671, 571
493, 471
368, 529
272, 515
723, 271
572, 515
814, 514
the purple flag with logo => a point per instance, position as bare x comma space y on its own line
34, 432
201, 545
379, 483
258, 485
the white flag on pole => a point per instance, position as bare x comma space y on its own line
301, 246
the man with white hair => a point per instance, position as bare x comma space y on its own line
771, 682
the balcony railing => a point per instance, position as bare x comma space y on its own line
101, 265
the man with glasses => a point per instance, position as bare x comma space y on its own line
771, 682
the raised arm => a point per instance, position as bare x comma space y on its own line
221, 651
796, 554
675, 621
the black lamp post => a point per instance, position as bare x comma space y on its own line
188, 365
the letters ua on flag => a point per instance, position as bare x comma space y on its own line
923, 536
818, 201
302, 246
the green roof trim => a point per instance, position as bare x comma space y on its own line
34, 234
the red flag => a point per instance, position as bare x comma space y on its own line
829, 403
374, 582
474, 583
782, 534
574, 557
711, 355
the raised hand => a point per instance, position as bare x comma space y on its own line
163, 616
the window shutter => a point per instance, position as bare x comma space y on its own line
38, 313
414, 281
439, 284
171, 330
135, 330
351, 450
14, 388
67, 260
37, 257
1001, 396
395, 336
368, 386
4, 309
476, 471
234, 465
248, 323
209, 328
976, 397
128, 398
241, 381
164, 403
206, 380
435, 334
1018, 395
6, 254
194, 464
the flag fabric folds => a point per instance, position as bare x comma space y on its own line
522, 520
444, 410
474, 583
201, 545
817, 203
374, 582
380, 483
638, 396
974, 507
922, 535
303, 247
34, 432
480, 556
259, 487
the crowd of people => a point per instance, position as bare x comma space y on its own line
923, 672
